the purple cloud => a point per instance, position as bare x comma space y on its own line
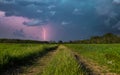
13, 26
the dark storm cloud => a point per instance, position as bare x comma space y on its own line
23, 8
35, 23
25, 3
81, 18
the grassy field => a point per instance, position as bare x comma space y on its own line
104, 54
63, 63
11, 54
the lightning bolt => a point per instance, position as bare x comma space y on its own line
44, 33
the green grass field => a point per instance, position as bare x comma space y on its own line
63, 62
104, 54
16, 53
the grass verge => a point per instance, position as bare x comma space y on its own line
12, 55
107, 55
63, 63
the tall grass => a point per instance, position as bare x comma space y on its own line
63, 63
103, 54
11, 54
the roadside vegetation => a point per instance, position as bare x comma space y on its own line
108, 38
15, 54
104, 54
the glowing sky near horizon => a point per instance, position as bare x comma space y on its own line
58, 19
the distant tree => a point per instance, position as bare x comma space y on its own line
52, 42
106, 38
60, 42
21, 41
109, 35
70, 41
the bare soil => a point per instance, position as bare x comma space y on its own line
39, 65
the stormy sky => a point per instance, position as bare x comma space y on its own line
58, 19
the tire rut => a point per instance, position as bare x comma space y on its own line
34, 66
39, 65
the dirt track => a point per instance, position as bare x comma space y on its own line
38, 66
91, 67
35, 66
88, 66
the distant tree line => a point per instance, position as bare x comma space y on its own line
105, 39
20, 41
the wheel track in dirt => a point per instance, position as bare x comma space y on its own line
92, 68
39, 65
42, 63
89, 66
36, 67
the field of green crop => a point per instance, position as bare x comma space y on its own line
16, 53
103, 54
63, 63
